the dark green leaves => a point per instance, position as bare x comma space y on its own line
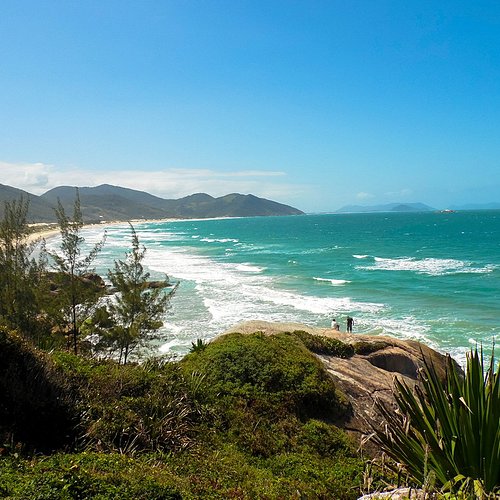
449, 427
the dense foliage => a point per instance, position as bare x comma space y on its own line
37, 409
325, 345
233, 420
449, 434
21, 273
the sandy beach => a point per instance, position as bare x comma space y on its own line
48, 230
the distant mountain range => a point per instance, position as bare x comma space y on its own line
390, 207
110, 203
413, 207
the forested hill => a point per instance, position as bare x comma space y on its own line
40, 210
106, 203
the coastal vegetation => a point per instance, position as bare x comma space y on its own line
257, 426
21, 273
75, 299
244, 416
137, 308
449, 435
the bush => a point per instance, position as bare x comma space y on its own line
319, 344
238, 419
326, 440
262, 389
363, 347
133, 407
101, 477
274, 368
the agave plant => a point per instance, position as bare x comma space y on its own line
199, 346
449, 429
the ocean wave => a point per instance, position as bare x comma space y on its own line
219, 240
216, 294
249, 268
430, 266
334, 282
237, 292
321, 250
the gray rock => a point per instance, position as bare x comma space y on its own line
398, 494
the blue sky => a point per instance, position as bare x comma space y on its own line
317, 104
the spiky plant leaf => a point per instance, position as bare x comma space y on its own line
450, 428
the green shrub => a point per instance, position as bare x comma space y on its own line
238, 419
320, 344
276, 368
364, 347
100, 477
201, 472
324, 439
318, 477
262, 389
449, 432
199, 345
133, 407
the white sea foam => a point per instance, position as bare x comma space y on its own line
360, 256
228, 293
249, 268
333, 282
164, 348
430, 266
219, 240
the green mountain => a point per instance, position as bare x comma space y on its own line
106, 202
39, 209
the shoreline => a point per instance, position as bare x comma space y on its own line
49, 229
42, 230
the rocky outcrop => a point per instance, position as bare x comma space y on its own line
367, 377
399, 494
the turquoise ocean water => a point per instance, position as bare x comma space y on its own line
433, 277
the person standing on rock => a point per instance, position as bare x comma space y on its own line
335, 325
350, 322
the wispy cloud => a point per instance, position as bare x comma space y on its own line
362, 196
38, 178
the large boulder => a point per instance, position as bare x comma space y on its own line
367, 377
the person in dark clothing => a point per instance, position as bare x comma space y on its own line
350, 322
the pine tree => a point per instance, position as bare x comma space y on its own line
20, 271
76, 297
137, 308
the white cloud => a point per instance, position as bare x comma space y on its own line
31, 177
364, 196
37, 178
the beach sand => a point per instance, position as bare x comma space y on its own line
48, 230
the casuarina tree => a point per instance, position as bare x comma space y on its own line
76, 294
138, 307
20, 271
